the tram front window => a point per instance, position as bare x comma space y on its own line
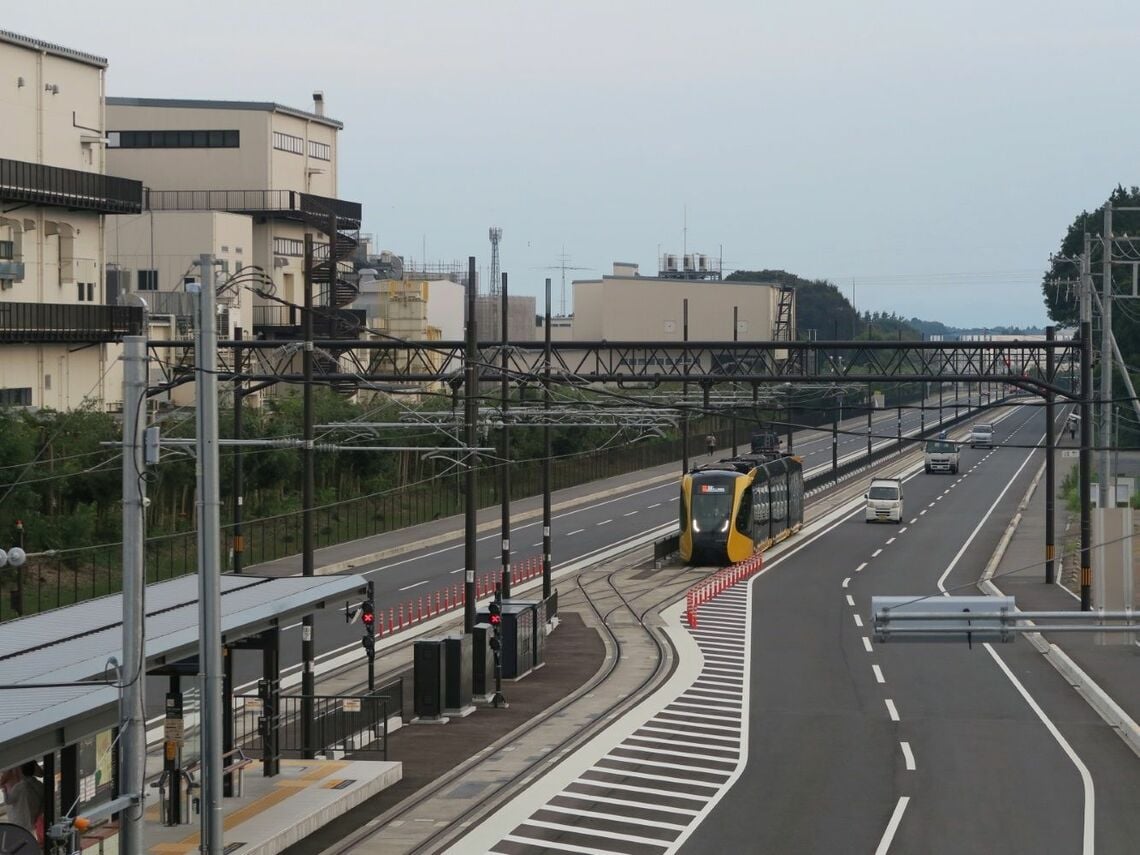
712, 508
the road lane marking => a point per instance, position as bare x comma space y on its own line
875, 554
892, 826
931, 505
459, 570
851, 601
908, 756
913, 521
866, 644
630, 514
891, 711
858, 619
904, 528
414, 585
890, 541
923, 511
846, 581
1086, 778
604, 522
860, 567
879, 678
657, 505
575, 531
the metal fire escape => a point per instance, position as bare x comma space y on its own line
785, 306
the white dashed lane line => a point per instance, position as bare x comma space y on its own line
851, 601
630, 514
890, 541
879, 678
575, 531
846, 581
604, 522
858, 619
860, 567
657, 505
866, 644
876, 553
908, 756
913, 521
904, 528
891, 711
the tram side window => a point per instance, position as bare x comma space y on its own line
684, 511
796, 497
779, 499
761, 511
744, 515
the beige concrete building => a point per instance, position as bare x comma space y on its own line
629, 307
58, 324
273, 164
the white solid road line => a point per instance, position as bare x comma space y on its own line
892, 826
908, 756
891, 710
1087, 847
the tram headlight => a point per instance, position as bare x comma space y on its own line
724, 527
696, 525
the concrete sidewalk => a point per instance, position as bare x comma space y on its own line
1104, 674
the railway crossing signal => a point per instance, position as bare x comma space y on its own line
495, 611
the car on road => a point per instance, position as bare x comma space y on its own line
884, 500
941, 455
982, 436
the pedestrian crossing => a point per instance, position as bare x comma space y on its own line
649, 792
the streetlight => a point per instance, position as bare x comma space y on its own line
16, 558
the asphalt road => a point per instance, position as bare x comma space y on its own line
575, 533
915, 748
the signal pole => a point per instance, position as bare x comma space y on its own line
1050, 454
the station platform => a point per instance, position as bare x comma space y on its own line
274, 813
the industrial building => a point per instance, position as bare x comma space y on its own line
627, 306
59, 325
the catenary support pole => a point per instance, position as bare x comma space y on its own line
132, 703
1107, 478
685, 391
547, 463
308, 496
870, 410
209, 559
1086, 428
505, 464
732, 411
471, 414
238, 472
1050, 455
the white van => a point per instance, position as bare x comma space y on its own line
941, 455
884, 500
982, 435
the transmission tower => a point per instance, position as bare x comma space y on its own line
496, 235
563, 265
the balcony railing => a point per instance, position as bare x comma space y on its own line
39, 184
327, 322
284, 203
56, 323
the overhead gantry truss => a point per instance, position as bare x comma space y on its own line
368, 362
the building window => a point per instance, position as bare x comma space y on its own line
90, 292
174, 139
47, 382
288, 246
82, 291
320, 151
16, 397
288, 142
7, 249
148, 280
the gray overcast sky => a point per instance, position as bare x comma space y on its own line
931, 154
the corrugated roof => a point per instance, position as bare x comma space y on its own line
208, 104
36, 720
55, 50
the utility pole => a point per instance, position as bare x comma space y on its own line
209, 554
471, 415
1086, 426
505, 481
132, 703
870, 410
1107, 479
1050, 454
546, 461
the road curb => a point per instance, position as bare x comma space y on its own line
1096, 697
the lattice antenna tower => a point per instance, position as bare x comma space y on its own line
496, 235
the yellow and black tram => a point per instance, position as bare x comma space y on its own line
736, 507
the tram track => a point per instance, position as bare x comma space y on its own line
621, 602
